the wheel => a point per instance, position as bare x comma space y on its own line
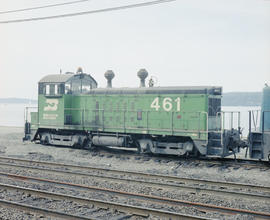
148, 149
79, 144
196, 152
144, 146
88, 145
46, 140
139, 149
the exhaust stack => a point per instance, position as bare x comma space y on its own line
109, 75
142, 74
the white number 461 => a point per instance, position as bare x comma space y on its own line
167, 104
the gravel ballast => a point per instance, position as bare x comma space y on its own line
11, 145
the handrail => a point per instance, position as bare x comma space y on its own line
83, 118
222, 123
26, 109
253, 118
232, 117
206, 113
125, 126
221, 131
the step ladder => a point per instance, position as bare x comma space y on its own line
214, 145
256, 145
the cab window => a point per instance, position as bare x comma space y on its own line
76, 86
47, 90
56, 87
52, 89
79, 85
68, 88
86, 86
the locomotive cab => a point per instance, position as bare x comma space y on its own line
56, 100
57, 97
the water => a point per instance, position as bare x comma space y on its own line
13, 115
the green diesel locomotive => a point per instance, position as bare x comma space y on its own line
72, 111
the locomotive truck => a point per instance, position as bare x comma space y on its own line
73, 111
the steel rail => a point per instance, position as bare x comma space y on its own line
243, 163
237, 162
194, 189
135, 210
253, 163
162, 200
42, 211
163, 178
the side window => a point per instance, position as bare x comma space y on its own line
61, 88
47, 90
56, 89
68, 88
93, 84
52, 89
40, 88
86, 86
76, 86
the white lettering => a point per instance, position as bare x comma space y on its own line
155, 104
167, 104
50, 116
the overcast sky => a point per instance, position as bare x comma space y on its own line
186, 42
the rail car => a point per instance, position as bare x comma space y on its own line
259, 136
73, 111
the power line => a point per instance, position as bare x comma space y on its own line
44, 6
89, 12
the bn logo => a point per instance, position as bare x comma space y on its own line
52, 105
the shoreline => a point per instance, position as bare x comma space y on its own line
10, 126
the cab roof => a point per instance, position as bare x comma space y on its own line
62, 78
56, 78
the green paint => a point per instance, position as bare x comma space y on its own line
149, 114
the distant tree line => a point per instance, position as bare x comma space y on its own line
17, 101
242, 99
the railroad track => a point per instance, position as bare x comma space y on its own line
151, 180
125, 209
208, 162
135, 210
244, 163
41, 211
171, 182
